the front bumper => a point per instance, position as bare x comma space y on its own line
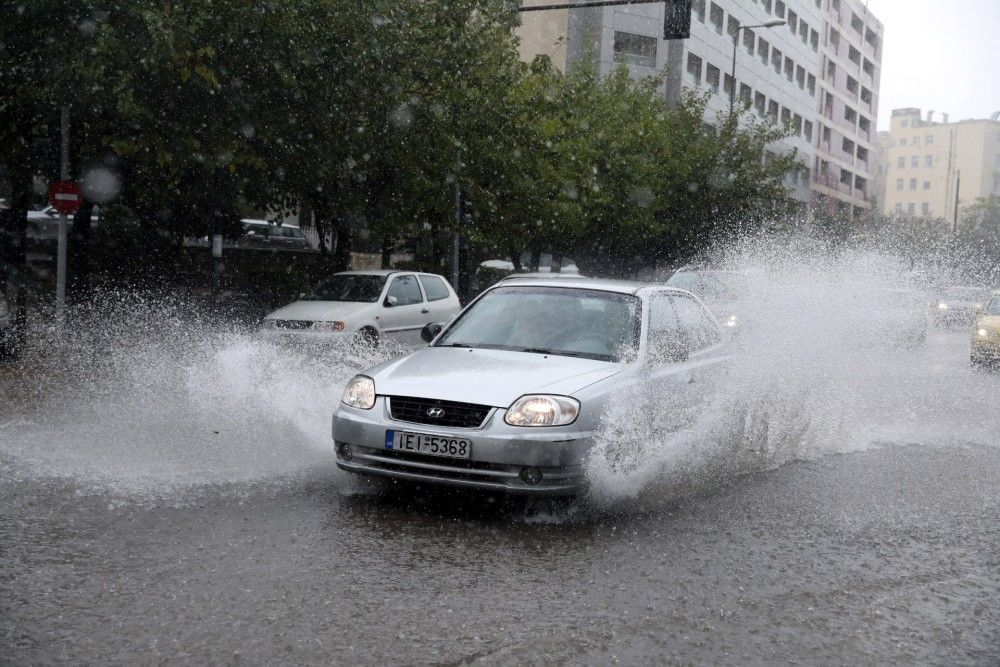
986, 350
500, 453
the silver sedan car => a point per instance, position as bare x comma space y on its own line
509, 395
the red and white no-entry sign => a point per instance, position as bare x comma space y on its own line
65, 197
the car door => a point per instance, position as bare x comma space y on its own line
403, 309
442, 303
704, 340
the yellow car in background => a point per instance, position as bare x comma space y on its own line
986, 334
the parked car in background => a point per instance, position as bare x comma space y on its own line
986, 335
508, 396
726, 293
959, 305
369, 304
264, 234
43, 224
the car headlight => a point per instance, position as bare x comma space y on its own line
983, 333
329, 326
731, 321
543, 410
359, 393
943, 306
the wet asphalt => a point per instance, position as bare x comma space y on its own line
887, 556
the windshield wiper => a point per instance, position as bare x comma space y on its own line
466, 345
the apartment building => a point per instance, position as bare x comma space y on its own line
818, 73
931, 169
849, 76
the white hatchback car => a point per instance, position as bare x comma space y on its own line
372, 304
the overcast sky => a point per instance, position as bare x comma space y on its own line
940, 54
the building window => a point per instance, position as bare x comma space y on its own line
749, 41
854, 55
899, 185
746, 95
760, 103
814, 40
852, 85
916, 141
831, 71
929, 139
915, 161
869, 68
866, 96
928, 160
911, 208
898, 209
728, 85
699, 10
694, 69
860, 183
902, 140
776, 58
797, 124
800, 76
847, 146
864, 125
793, 21
772, 110
904, 123
804, 32
925, 208
635, 49
779, 9
767, 5
834, 39
763, 49
927, 185
901, 163
826, 134
807, 130
732, 26
845, 177
850, 115
712, 75
811, 84
786, 115
913, 184
789, 69
857, 23
715, 17
862, 153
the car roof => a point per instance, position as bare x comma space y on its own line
385, 272
257, 221
602, 284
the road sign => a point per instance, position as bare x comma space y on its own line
65, 197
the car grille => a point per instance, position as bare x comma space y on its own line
454, 414
296, 325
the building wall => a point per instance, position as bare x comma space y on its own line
928, 164
703, 62
544, 33
849, 79
881, 156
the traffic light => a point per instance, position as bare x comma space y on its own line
677, 19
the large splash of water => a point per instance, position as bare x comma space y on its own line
825, 368
142, 394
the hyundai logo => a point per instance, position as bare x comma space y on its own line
435, 413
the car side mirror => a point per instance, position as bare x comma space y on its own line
431, 331
391, 301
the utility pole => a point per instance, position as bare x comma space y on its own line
958, 189
61, 247
736, 45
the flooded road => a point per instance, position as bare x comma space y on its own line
882, 556
173, 499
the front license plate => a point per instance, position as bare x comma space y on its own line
430, 445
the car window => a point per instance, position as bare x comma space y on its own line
664, 340
435, 288
357, 288
406, 291
685, 280
695, 323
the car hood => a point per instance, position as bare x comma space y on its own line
319, 311
486, 377
990, 322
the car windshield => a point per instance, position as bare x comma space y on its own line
549, 320
359, 288
715, 286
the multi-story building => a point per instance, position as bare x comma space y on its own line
779, 73
935, 169
849, 75
881, 151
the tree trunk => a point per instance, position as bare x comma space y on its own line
13, 258
536, 260
515, 259
386, 253
557, 260
342, 250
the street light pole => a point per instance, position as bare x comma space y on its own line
736, 44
